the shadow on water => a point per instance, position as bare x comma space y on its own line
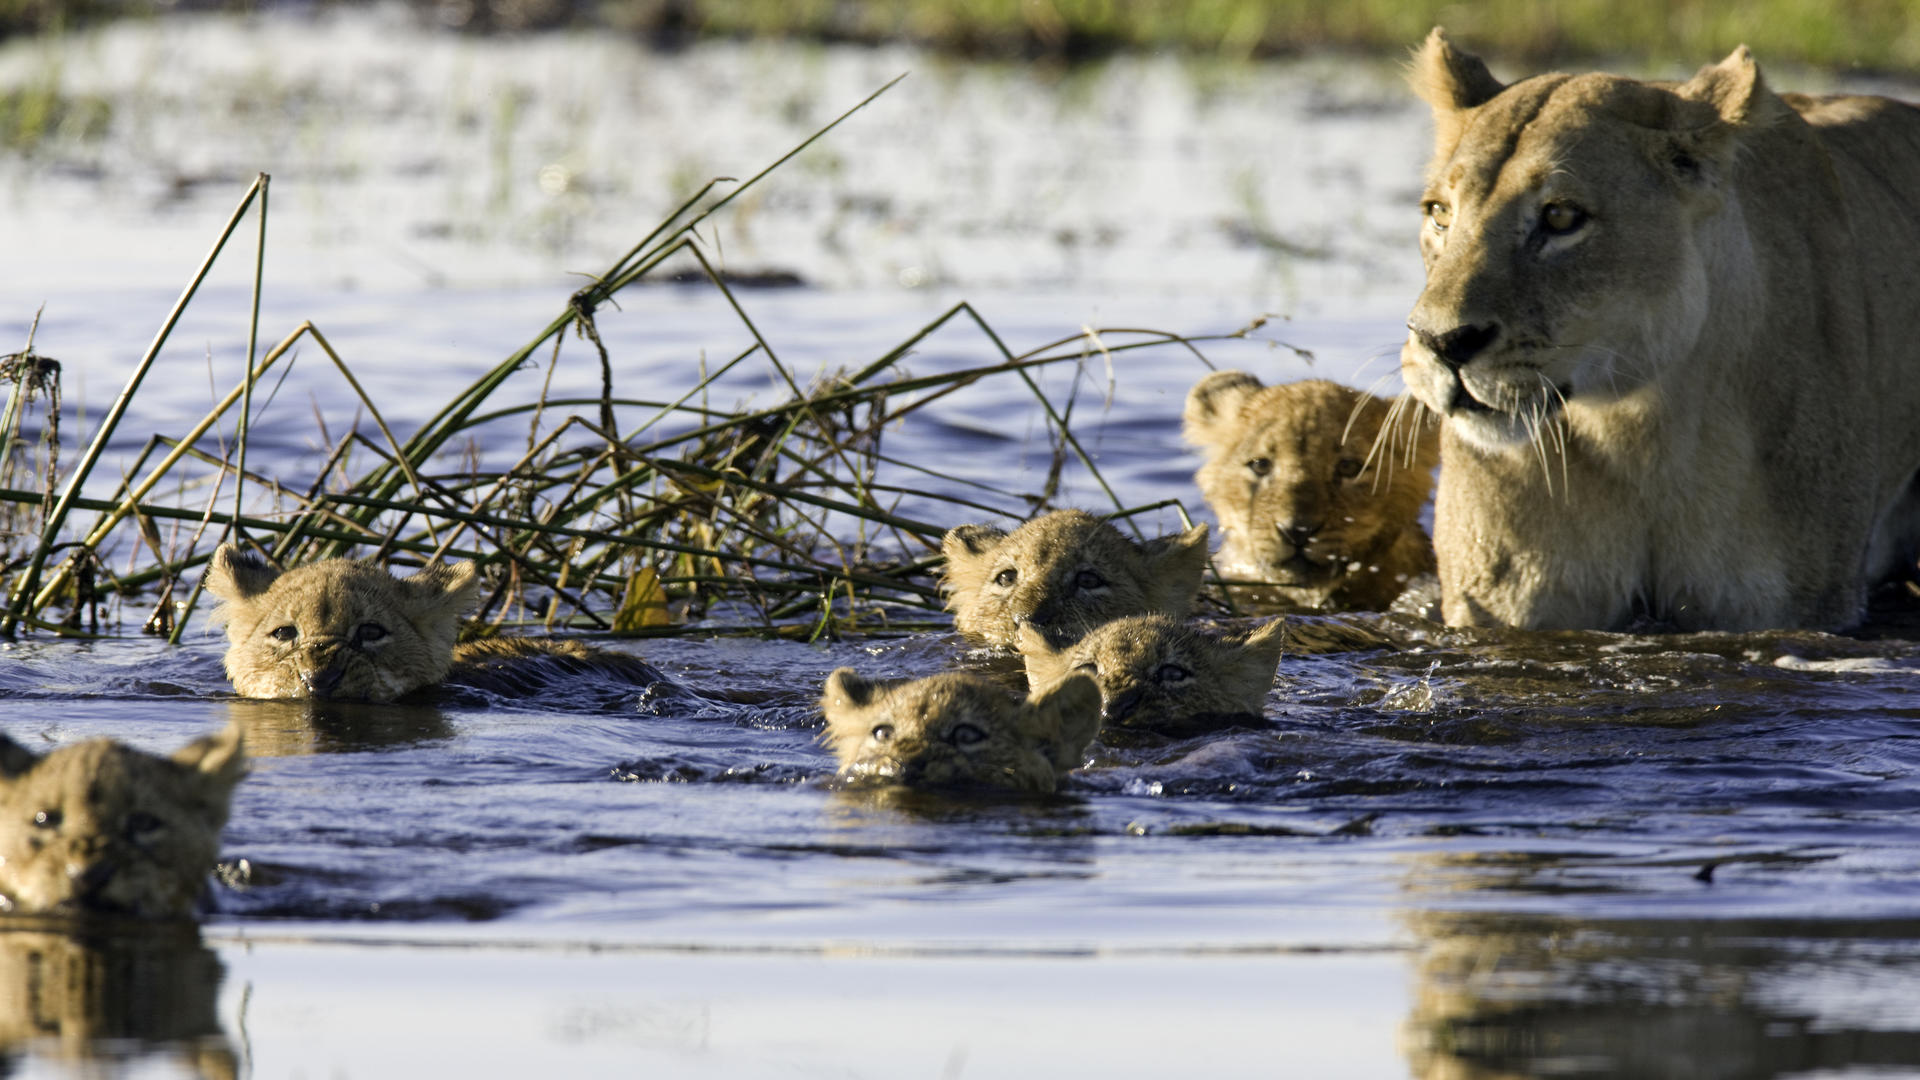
94, 995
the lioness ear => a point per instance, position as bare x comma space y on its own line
220, 758
235, 573
1213, 404
1739, 98
15, 760
1451, 82
1065, 719
1175, 565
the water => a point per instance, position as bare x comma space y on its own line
1460, 855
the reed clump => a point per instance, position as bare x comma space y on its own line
621, 515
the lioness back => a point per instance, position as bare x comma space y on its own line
957, 730
341, 629
1318, 488
1064, 573
1664, 325
101, 827
1164, 675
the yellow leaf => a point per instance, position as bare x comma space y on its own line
645, 603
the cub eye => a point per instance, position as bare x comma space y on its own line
1348, 468
966, 735
1171, 674
1561, 218
1006, 578
1260, 466
883, 733
139, 823
48, 819
283, 633
369, 632
1089, 579
1439, 215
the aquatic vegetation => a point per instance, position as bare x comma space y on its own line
624, 514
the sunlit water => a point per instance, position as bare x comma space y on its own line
1455, 855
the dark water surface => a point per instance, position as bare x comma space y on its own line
1452, 856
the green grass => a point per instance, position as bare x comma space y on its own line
623, 515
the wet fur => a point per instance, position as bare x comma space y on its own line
1161, 674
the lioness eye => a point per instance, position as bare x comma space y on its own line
1260, 466
369, 632
1172, 673
283, 633
1006, 578
47, 819
882, 732
1348, 468
966, 735
1561, 219
1088, 579
1439, 215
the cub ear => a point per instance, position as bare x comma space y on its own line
1451, 82
220, 758
235, 574
1065, 719
15, 760
1212, 406
1046, 665
455, 584
967, 548
1261, 649
970, 541
1175, 565
848, 689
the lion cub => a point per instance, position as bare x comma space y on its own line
957, 730
1065, 573
1311, 495
101, 827
1160, 674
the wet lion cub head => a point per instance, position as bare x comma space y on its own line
957, 730
100, 827
1311, 494
1160, 674
1064, 574
342, 629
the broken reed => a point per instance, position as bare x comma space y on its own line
781, 511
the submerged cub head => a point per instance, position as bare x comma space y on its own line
340, 629
101, 827
1064, 574
1161, 674
957, 730
1308, 490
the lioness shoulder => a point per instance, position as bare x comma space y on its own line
101, 827
1063, 574
1318, 487
957, 730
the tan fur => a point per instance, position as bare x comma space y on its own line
1065, 573
1317, 488
101, 827
958, 730
1159, 674
338, 629
521, 665
1666, 327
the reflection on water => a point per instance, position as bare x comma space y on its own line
290, 728
109, 993
1501, 996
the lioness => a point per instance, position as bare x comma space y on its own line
101, 827
347, 630
957, 730
1316, 486
1666, 327
1065, 573
1161, 674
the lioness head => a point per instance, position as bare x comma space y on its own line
1316, 485
957, 730
340, 629
1161, 674
1565, 235
1064, 573
101, 827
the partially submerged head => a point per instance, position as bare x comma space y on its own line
1160, 674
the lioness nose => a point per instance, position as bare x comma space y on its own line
1458, 345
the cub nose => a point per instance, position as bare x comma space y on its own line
325, 681
1298, 535
1458, 345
